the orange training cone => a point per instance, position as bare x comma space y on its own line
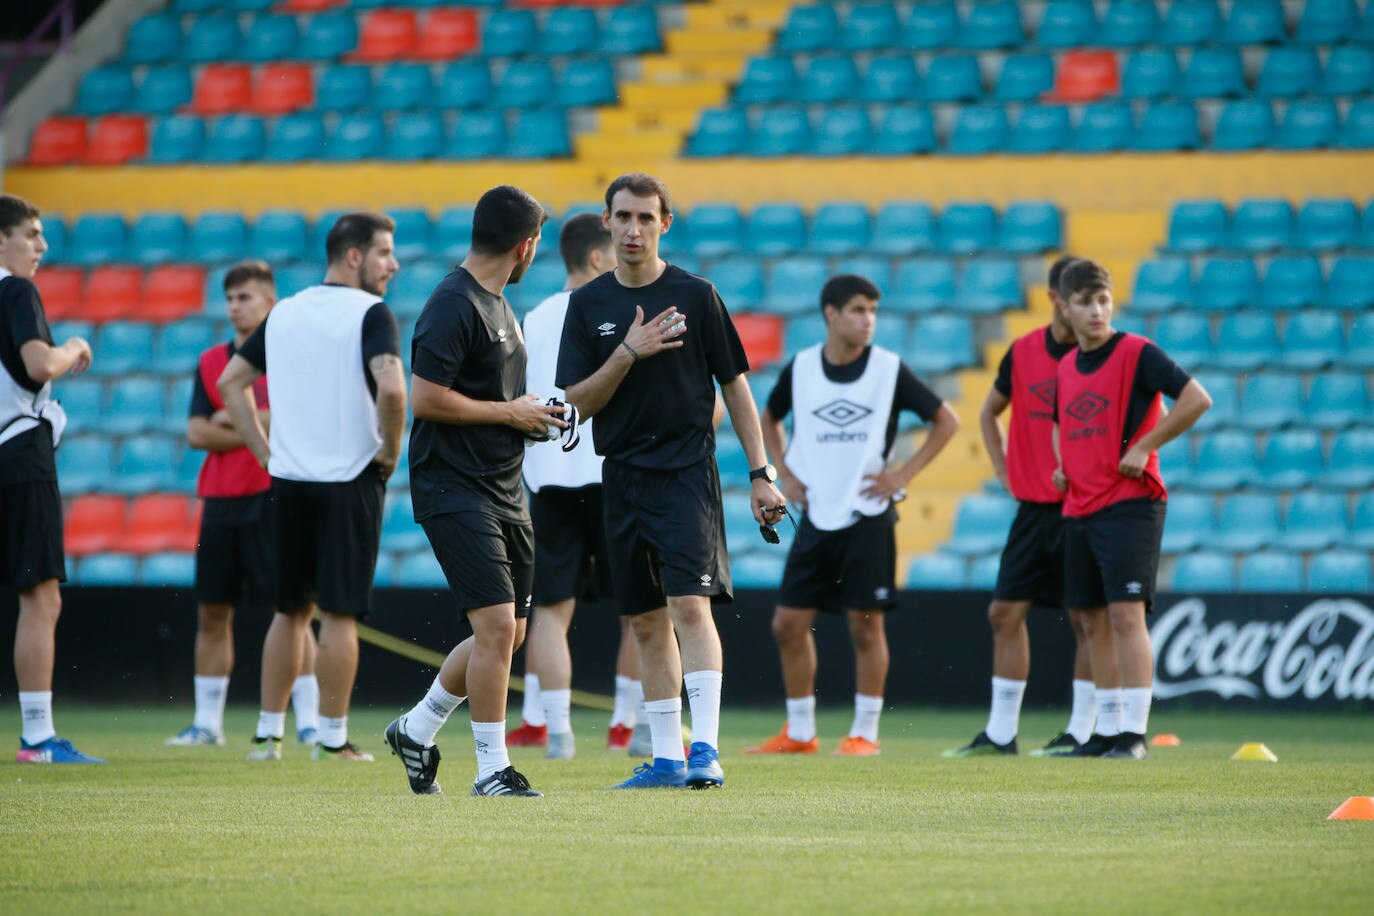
1354, 808
1256, 752
1165, 740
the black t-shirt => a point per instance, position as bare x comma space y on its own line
660, 416
381, 335
1056, 350
201, 405
911, 394
1155, 373
468, 339
29, 455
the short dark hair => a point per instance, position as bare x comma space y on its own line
355, 230
15, 211
642, 184
1083, 276
504, 217
248, 271
1057, 270
582, 234
839, 289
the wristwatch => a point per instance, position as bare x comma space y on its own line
767, 472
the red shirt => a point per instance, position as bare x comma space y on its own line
236, 472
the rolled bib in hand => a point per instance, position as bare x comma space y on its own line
569, 437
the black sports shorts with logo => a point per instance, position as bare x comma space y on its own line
852, 569
569, 545
236, 561
31, 534
665, 534
487, 560
1032, 567
327, 540
1113, 554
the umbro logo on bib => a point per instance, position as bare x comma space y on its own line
606, 329
841, 412
1086, 406
1045, 391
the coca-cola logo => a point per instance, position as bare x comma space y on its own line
1327, 648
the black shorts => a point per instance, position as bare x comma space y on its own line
569, 545
486, 560
1032, 567
31, 534
327, 540
665, 534
853, 569
1113, 554
236, 562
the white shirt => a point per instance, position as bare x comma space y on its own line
546, 464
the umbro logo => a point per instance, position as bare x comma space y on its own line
881, 594
841, 413
705, 580
1134, 588
501, 334
1086, 406
1045, 391
606, 329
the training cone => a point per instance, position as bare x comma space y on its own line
1165, 740
1255, 751
1354, 808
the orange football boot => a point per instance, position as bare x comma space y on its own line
782, 744
855, 746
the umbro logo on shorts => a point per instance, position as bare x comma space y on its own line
501, 334
1134, 588
881, 594
606, 329
1045, 391
1086, 406
705, 580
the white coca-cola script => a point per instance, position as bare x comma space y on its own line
1327, 648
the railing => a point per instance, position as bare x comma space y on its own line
62, 15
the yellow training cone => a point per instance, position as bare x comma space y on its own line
1355, 808
1255, 751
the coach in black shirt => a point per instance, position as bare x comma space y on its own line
651, 386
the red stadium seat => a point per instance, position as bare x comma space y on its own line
172, 292
117, 139
94, 524
1086, 76
387, 35
761, 336
281, 88
58, 141
548, 3
158, 522
308, 6
222, 89
448, 34
60, 288
112, 293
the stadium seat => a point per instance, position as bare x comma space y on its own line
1214, 73
633, 29
1129, 24
1205, 571
98, 238
922, 286
82, 398
411, 287
158, 238
1198, 225
163, 89
953, 79
174, 411
794, 285
1162, 284
1341, 571
160, 522
982, 571
1289, 71
464, 84
479, 134
94, 524
1350, 285
843, 130
761, 336
145, 463
124, 346
1187, 338
1361, 529
759, 569
447, 34
1327, 21
296, 138
1041, 129
106, 569
153, 39
903, 228
1224, 391
539, 134
1225, 460
1167, 126
1308, 124
1226, 284
1024, 77
981, 524
218, 238
1292, 458
828, 78
281, 88
569, 30
356, 136
58, 141
1244, 124
331, 35
414, 135
870, 27
117, 139
387, 34
810, 28
135, 405
1325, 224
177, 139
1272, 400
586, 83
55, 234
991, 25
1105, 127
271, 38
740, 282
1312, 340
236, 138
412, 234
1315, 521
1191, 22
1351, 465
877, 269
1349, 70
989, 286
168, 570
1358, 130
1029, 227
802, 331
526, 83
1190, 522
1292, 283
1067, 24
171, 291
1151, 74
776, 229
1253, 22
942, 343
105, 90
344, 87
279, 235
1246, 341
767, 80
84, 464
936, 572
1337, 400
60, 288
905, 130
399, 529
719, 132
179, 345
418, 569
782, 131
714, 230
839, 228
111, 292
453, 233
213, 37
979, 129
1270, 571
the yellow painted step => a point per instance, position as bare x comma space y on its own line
625, 121
691, 68
1111, 233
694, 96
629, 147
728, 16
1019, 323
925, 520
746, 41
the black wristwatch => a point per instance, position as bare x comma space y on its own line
767, 472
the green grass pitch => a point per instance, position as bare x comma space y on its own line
200, 829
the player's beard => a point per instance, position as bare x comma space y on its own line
518, 270
370, 284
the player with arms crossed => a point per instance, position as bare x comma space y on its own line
835, 467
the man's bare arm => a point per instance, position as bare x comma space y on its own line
444, 405
43, 362
1193, 401
391, 407
234, 389
766, 500
993, 440
888, 482
775, 441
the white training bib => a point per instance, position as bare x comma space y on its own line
21, 409
546, 464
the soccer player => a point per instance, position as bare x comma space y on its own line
649, 383
845, 396
31, 423
1032, 567
234, 554
338, 395
472, 418
1109, 425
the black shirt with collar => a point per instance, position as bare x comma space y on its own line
30, 455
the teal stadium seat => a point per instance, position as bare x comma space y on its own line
163, 89
400, 532
526, 83
453, 233
740, 282
1351, 465
412, 234
210, 38
135, 405
714, 230
1337, 400
218, 237
509, 33
199, 6
1024, 78
174, 404
1358, 130
1253, 22
1214, 73
98, 238
1105, 127
1270, 571
1129, 24
1308, 124
331, 35
356, 135
178, 347
942, 343
982, 571
794, 285
1041, 129
903, 228
123, 347
153, 40
890, 79
168, 570
720, 132
1327, 21
843, 130
876, 269
1327, 224
84, 463
1312, 340
923, 286
1350, 285
586, 83
767, 80
82, 398
1225, 460
344, 87
271, 38
1198, 225
1289, 71
1292, 283
1244, 124
1190, 522
403, 86
235, 138
1349, 70
419, 569
296, 137
781, 131
145, 463
905, 130
279, 236
55, 234
871, 27
1341, 571
414, 135
1226, 284
967, 228
105, 90
252, 6
988, 287
992, 25
937, 572
1067, 24
776, 229
809, 28
1272, 400
478, 134
803, 331
1246, 341
759, 568
1191, 22
1162, 284
1167, 126
840, 228
931, 26
539, 134
1292, 458
953, 78
1151, 74
828, 78
107, 569
981, 524
979, 130
410, 289
464, 84
1205, 571
1315, 521
569, 30
634, 29
1361, 528
158, 238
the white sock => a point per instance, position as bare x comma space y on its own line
665, 727
271, 724
1135, 709
629, 693
558, 710
429, 715
801, 718
532, 709
333, 732
703, 696
1004, 719
1083, 713
36, 710
305, 702
211, 692
867, 709
1109, 702
490, 740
